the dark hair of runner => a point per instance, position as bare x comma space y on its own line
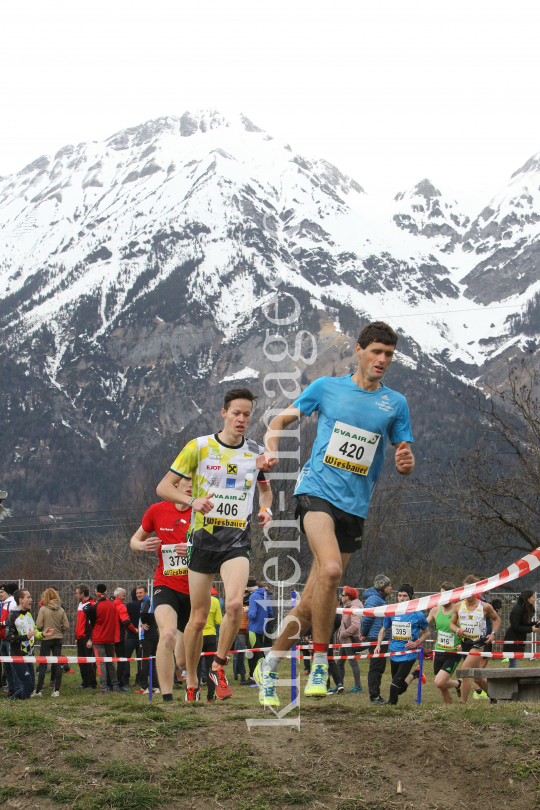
19, 594
238, 393
377, 332
447, 586
84, 589
528, 609
144, 587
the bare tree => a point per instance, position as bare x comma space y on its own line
493, 492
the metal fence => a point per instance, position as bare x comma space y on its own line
281, 594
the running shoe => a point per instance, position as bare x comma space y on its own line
266, 681
378, 701
55, 694
316, 684
336, 689
355, 690
480, 695
193, 694
211, 700
417, 675
223, 690
505, 660
458, 688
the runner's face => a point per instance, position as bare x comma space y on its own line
237, 417
26, 601
184, 485
374, 360
403, 596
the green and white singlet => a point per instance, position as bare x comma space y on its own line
447, 641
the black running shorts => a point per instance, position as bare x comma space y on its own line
479, 644
445, 660
210, 562
348, 528
177, 600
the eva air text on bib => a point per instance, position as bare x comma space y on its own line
173, 564
230, 509
351, 448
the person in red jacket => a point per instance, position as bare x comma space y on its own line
83, 633
103, 618
123, 624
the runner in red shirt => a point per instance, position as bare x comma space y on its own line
172, 607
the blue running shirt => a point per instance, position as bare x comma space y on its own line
403, 629
348, 453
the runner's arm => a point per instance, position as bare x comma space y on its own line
495, 619
141, 541
432, 616
265, 502
454, 627
274, 433
404, 458
382, 633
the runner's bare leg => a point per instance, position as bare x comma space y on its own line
166, 620
298, 620
319, 528
235, 574
200, 586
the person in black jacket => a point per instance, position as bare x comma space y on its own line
521, 623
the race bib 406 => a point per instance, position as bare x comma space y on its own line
351, 448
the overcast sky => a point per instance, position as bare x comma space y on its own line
390, 92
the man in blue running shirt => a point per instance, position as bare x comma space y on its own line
357, 414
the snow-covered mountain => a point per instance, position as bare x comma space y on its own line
133, 272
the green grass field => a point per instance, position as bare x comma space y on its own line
124, 752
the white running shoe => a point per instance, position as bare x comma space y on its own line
55, 694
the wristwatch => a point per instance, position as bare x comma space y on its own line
266, 509
190, 502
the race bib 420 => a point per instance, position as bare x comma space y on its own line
351, 448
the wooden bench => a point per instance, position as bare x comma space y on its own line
508, 684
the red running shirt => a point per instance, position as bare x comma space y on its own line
170, 525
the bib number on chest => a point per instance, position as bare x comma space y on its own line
230, 509
351, 448
401, 631
471, 630
445, 640
173, 564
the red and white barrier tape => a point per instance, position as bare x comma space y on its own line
518, 569
63, 659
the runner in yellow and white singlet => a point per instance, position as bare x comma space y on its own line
224, 473
469, 623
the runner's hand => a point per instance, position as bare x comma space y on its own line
152, 544
459, 632
49, 631
267, 460
89, 643
30, 633
377, 650
181, 549
412, 645
264, 518
404, 459
491, 638
203, 505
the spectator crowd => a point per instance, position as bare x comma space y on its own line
109, 626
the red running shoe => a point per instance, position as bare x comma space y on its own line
192, 694
424, 679
223, 690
